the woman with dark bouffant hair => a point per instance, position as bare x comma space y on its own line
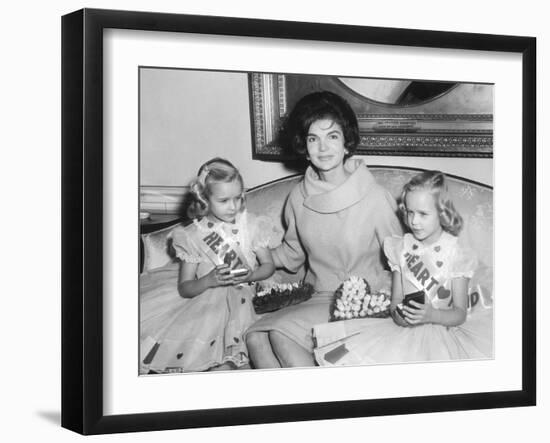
336, 220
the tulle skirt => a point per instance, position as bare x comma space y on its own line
189, 335
378, 341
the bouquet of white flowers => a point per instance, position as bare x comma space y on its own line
353, 299
273, 296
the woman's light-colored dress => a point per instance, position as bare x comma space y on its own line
336, 232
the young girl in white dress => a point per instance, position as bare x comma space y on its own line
223, 250
429, 259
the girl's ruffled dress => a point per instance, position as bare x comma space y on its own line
429, 268
188, 335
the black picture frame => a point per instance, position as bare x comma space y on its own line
82, 221
418, 130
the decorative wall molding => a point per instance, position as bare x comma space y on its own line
162, 199
426, 145
428, 117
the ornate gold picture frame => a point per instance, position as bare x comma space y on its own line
427, 118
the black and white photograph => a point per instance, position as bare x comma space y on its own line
302, 220
275, 221
291, 221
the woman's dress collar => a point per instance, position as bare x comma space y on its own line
323, 197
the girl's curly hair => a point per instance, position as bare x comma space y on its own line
435, 183
216, 170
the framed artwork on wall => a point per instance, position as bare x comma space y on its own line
396, 117
421, 114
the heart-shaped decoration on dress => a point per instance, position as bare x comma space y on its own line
437, 248
415, 246
235, 231
210, 224
180, 355
439, 264
443, 293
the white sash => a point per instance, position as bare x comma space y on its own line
219, 247
426, 272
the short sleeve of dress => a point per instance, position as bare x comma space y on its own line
265, 233
392, 249
464, 263
183, 246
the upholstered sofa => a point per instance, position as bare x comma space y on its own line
474, 201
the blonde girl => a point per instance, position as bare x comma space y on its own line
427, 263
222, 252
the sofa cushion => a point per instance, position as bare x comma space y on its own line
157, 249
